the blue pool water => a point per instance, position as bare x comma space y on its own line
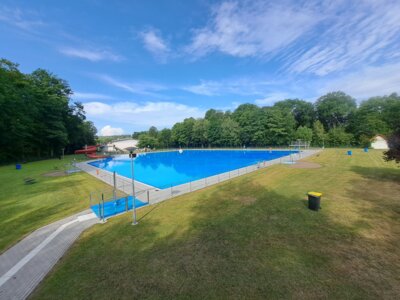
112, 208
166, 169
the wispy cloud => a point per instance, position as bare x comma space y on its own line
92, 55
160, 114
352, 34
244, 86
271, 98
141, 88
27, 21
155, 44
252, 28
90, 96
314, 37
368, 82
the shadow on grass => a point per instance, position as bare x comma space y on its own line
378, 173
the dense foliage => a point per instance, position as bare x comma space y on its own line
37, 119
333, 120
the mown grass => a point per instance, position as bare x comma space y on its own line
25, 208
252, 237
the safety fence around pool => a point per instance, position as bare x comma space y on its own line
151, 195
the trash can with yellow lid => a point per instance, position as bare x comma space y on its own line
314, 200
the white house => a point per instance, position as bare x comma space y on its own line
379, 142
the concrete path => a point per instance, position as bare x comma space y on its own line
24, 266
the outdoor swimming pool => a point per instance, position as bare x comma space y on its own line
166, 169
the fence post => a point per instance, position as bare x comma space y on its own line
99, 210
115, 186
102, 202
126, 204
190, 186
148, 196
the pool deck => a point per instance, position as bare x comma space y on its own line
152, 195
23, 266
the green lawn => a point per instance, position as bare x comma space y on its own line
252, 237
24, 208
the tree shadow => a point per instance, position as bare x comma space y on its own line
378, 173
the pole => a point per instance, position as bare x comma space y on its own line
133, 192
115, 186
102, 205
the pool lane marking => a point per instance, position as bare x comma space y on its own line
10, 273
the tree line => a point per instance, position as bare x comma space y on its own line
334, 120
37, 118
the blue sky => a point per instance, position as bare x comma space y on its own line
140, 63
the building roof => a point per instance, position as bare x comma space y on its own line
379, 135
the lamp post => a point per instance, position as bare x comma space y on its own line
132, 156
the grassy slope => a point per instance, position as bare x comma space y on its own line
24, 208
252, 237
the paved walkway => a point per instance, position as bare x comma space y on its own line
24, 266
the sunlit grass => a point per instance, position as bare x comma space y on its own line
24, 208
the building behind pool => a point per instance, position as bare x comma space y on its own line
379, 142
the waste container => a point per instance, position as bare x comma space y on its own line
349, 152
18, 166
314, 200
366, 149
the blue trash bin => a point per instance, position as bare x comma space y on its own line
18, 166
349, 152
366, 149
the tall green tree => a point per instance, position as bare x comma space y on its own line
250, 119
36, 116
338, 136
279, 127
334, 109
165, 138
214, 128
319, 135
230, 133
200, 132
147, 141
304, 133
303, 111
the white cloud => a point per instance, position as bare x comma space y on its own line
90, 96
244, 86
141, 88
90, 54
369, 82
108, 130
353, 34
154, 43
160, 114
271, 98
26, 21
252, 28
